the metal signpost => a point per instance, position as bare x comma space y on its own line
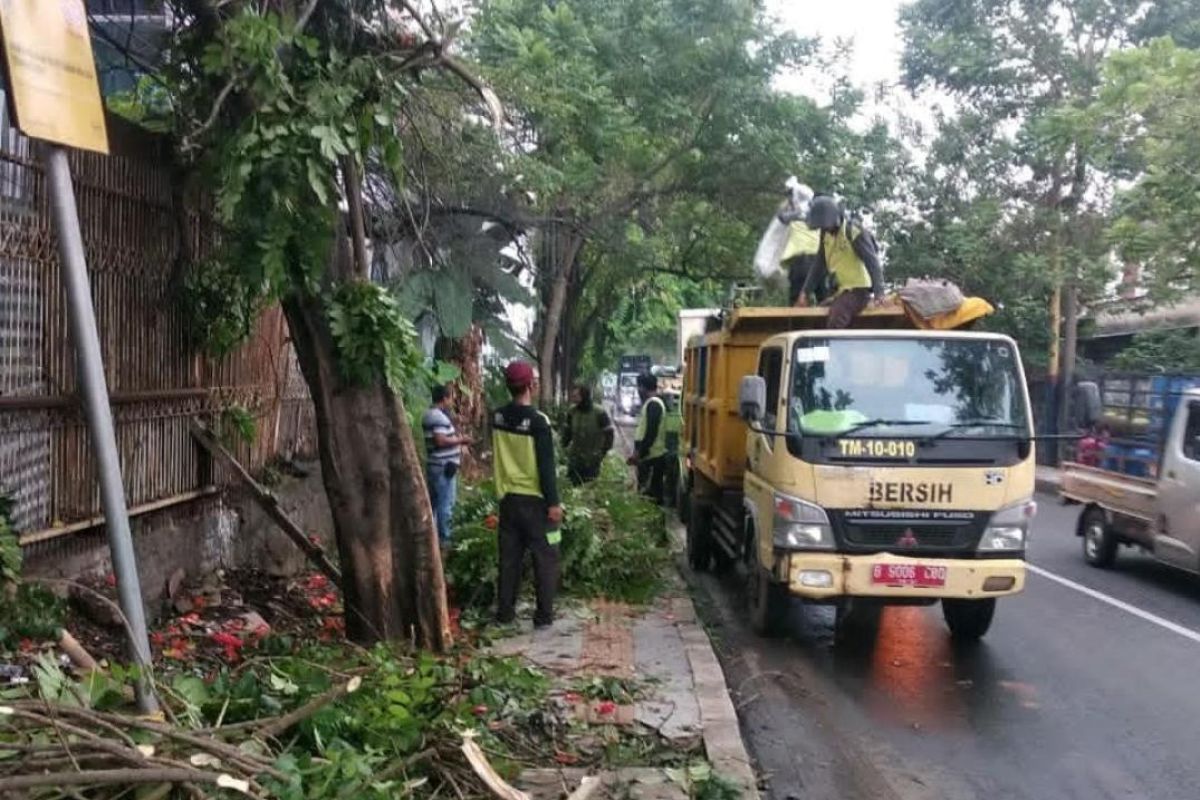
55, 98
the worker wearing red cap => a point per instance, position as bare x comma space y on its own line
530, 514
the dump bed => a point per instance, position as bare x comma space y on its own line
714, 365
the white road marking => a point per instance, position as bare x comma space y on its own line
1186, 633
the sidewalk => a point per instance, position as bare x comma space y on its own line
684, 699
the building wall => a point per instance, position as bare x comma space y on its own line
221, 531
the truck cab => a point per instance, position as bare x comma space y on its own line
861, 468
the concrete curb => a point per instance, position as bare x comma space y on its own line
722, 737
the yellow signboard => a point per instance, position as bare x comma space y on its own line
51, 73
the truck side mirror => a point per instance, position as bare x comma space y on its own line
1088, 406
752, 398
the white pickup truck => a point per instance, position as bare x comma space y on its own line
1160, 514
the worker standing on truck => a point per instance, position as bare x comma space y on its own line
530, 513
650, 439
802, 253
587, 438
850, 254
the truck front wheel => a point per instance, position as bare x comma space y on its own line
1099, 544
856, 620
699, 537
968, 620
683, 502
767, 599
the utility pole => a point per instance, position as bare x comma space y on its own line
94, 391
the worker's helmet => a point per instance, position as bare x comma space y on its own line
824, 212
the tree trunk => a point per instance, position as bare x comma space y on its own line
468, 394
564, 253
1066, 372
387, 542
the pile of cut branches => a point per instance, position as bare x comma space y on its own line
322, 723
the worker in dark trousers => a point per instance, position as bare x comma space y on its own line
588, 437
850, 255
530, 513
650, 439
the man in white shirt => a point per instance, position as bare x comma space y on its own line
443, 455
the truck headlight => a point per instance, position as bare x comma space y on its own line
1008, 529
800, 525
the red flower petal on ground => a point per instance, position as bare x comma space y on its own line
565, 758
607, 707
572, 698
491, 522
191, 618
226, 639
26, 645
157, 638
479, 710
110, 580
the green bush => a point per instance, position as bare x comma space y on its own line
614, 542
27, 611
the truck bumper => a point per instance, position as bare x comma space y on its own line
819, 576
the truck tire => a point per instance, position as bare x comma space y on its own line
699, 538
766, 599
856, 620
968, 620
683, 502
1099, 544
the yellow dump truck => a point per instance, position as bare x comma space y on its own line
880, 465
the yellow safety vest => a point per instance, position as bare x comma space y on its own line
673, 422
840, 259
802, 241
659, 445
514, 454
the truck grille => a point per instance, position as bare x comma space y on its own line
923, 536
887, 535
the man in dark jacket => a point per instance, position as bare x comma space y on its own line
530, 513
588, 436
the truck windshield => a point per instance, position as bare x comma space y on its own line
906, 388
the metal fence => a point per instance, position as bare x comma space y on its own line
138, 233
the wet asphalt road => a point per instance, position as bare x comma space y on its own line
1068, 696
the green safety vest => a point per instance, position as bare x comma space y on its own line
659, 446
840, 259
673, 422
587, 437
